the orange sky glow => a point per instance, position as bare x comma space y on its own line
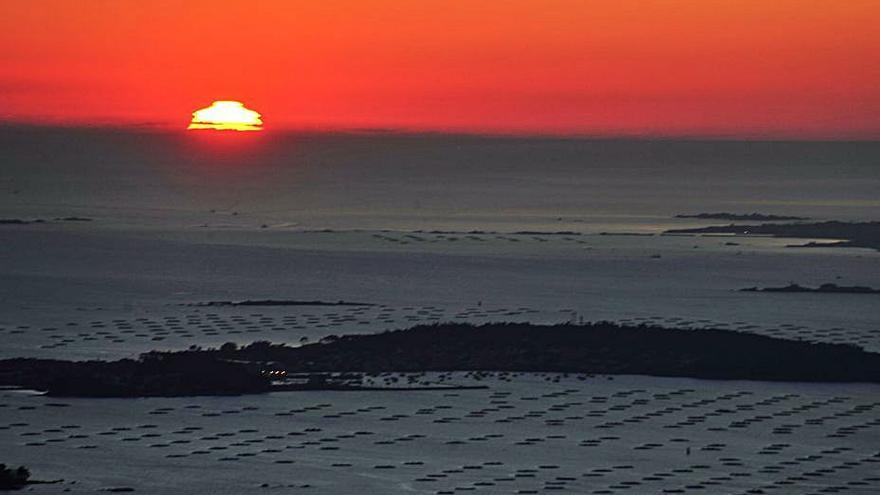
781, 68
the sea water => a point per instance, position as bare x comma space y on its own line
140, 226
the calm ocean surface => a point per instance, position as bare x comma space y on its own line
430, 228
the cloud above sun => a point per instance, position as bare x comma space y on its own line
226, 115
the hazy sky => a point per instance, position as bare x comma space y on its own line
801, 68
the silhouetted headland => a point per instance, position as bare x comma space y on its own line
595, 348
756, 217
822, 289
855, 234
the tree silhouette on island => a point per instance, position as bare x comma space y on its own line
13, 478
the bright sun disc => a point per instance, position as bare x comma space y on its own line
226, 116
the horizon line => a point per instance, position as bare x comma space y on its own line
166, 128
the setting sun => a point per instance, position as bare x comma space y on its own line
226, 116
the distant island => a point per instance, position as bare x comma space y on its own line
543, 232
21, 221
756, 217
278, 302
854, 234
595, 348
823, 289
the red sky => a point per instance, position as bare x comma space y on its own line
790, 68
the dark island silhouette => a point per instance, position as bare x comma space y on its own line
855, 234
593, 348
828, 288
21, 221
278, 302
756, 217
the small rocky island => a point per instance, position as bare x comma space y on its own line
822, 289
595, 348
753, 217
